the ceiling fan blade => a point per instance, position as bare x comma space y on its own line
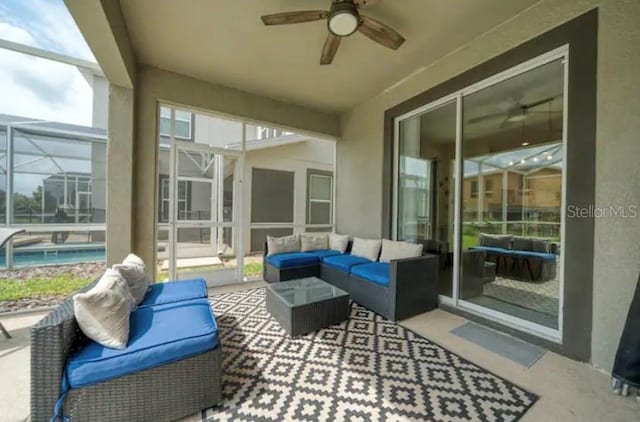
506, 122
330, 48
365, 3
537, 103
479, 119
294, 17
380, 33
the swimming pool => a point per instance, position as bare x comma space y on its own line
34, 258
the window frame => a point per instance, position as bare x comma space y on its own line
324, 174
189, 121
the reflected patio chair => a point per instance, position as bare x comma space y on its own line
5, 236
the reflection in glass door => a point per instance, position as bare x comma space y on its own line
203, 193
479, 181
512, 152
425, 187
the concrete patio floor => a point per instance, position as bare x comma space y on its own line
569, 391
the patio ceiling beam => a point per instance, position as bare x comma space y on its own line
50, 55
103, 27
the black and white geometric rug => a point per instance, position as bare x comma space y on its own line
365, 369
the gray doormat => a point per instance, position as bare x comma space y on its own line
511, 348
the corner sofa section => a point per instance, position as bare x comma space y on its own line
173, 341
396, 290
293, 265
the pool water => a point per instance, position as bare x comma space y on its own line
53, 257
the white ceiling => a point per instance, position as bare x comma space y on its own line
224, 41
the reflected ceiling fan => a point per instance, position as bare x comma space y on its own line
343, 20
517, 113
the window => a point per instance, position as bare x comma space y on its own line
474, 188
183, 204
488, 188
183, 123
320, 197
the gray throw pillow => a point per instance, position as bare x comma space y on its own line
103, 311
366, 248
338, 242
314, 242
134, 272
283, 244
392, 250
541, 245
522, 244
496, 241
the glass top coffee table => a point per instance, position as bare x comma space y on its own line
306, 304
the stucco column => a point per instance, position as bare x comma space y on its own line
120, 174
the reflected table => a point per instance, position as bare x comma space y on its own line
305, 305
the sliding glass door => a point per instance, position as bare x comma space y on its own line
425, 185
480, 181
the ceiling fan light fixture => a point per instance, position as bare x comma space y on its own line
343, 19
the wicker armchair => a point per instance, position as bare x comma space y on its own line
412, 289
163, 393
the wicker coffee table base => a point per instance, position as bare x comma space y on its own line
303, 319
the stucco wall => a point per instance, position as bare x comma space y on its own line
297, 158
120, 174
617, 262
617, 252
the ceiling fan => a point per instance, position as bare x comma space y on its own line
518, 113
343, 20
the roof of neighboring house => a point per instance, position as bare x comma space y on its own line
25, 122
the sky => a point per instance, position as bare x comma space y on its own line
38, 88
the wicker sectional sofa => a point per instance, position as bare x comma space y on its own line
396, 290
171, 367
523, 258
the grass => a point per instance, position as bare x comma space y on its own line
64, 285
251, 269
61, 285
469, 240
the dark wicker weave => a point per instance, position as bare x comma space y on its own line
307, 317
159, 394
337, 277
413, 289
275, 275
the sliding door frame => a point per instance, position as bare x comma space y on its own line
560, 53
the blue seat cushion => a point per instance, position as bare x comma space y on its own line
344, 262
324, 253
512, 252
174, 291
376, 272
158, 335
292, 259
493, 249
539, 255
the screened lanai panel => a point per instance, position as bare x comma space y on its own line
3, 176
57, 180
